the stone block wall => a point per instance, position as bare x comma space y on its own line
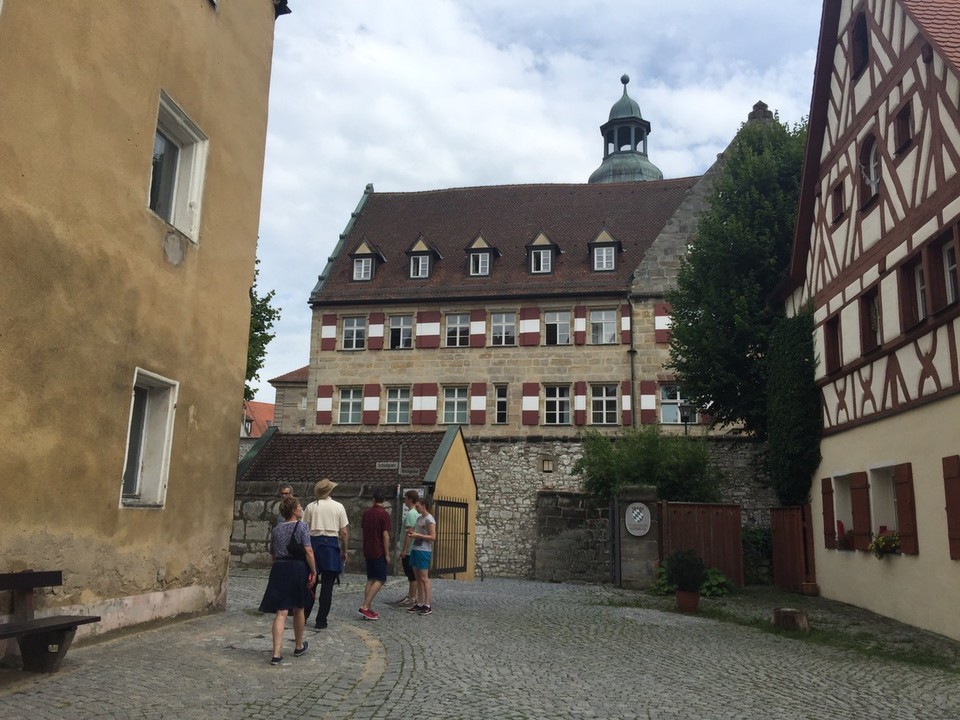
572, 538
255, 511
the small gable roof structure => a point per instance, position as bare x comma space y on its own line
508, 218
369, 458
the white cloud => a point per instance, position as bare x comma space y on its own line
437, 93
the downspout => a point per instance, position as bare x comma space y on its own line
632, 352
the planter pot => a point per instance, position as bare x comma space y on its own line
688, 601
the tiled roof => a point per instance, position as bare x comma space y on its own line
939, 21
294, 376
508, 217
344, 457
260, 415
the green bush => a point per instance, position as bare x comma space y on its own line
678, 466
716, 583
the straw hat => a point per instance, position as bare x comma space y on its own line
323, 488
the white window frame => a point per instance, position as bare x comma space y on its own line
541, 261
883, 500
419, 266
479, 264
354, 333
950, 272
401, 332
842, 507
503, 327
604, 402
455, 405
146, 462
186, 197
604, 258
398, 406
501, 405
556, 405
920, 290
350, 410
671, 398
559, 320
459, 325
603, 327
363, 268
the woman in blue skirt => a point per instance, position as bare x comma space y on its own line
291, 579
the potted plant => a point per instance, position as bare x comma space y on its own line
685, 570
885, 544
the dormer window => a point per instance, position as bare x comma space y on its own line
541, 261
420, 266
541, 255
480, 263
603, 252
364, 258
421, 259
363, 268
604, 258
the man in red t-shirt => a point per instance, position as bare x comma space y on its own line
375, 525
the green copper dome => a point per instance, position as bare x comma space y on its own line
625, 144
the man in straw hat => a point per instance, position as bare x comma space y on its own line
329, 534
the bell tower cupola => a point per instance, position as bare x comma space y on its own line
625, 144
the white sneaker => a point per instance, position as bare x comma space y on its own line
406, 602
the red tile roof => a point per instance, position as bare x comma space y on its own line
508, 217
260, 415
294, 376
344, 457
939, 21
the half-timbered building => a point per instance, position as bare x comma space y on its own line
876, 255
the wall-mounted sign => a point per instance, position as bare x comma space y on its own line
638, 519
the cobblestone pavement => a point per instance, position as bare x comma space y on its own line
499, 649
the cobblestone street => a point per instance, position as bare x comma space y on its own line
496, 649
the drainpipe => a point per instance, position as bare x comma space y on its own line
632, 352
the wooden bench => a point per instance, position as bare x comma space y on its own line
43, 641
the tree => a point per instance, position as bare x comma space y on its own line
679, 467
721, 317
262, 318
794, 417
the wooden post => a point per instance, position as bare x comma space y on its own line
791, 619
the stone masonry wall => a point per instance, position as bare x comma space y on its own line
573, 544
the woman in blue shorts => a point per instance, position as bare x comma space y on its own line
423, 535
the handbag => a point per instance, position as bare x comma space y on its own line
294, 549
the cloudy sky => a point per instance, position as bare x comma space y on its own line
450, 93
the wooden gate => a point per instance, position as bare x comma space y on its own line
450, 547
791, 530
712, 529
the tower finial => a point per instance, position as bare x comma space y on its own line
624, 79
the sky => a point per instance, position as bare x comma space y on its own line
431, 94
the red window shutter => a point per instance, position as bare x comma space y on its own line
428, 329
328, 332
530, 410
661, 322
324, 404
428, 396
478, 328
580, 325
860, 507
371, 404
829, 522
626, 321
530, 326
648, 402
951, 491
375, 331
478, 403
626, 403
580, 403
906, 509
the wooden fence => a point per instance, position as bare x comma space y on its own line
713, 530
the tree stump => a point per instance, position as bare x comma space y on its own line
791, 619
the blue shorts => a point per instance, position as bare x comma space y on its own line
420, 559
377, 569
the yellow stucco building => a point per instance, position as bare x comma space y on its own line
131, 161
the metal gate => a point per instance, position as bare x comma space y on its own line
450, 547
